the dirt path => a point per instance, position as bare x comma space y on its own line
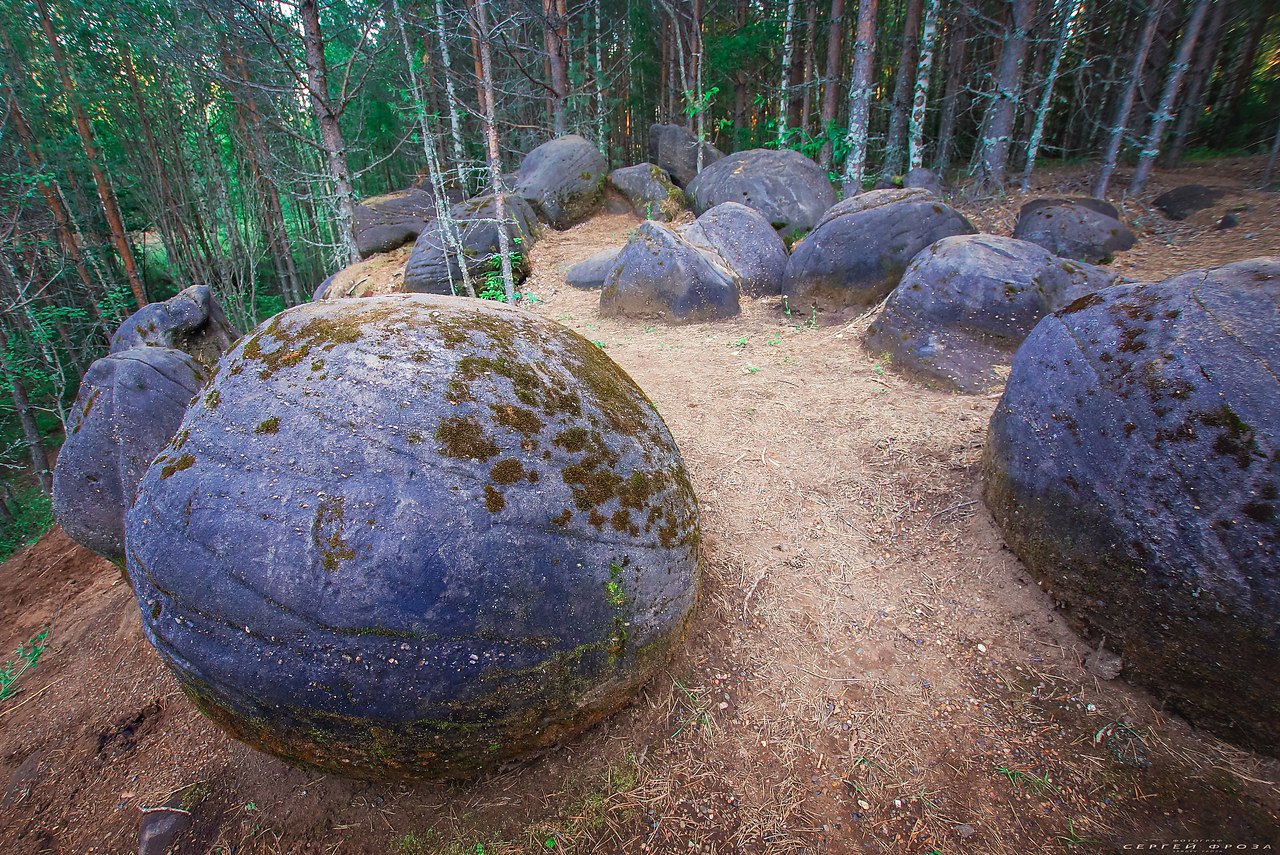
870, 670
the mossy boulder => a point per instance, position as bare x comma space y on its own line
417, 537
191, 321
966, 303
563, 180
128, 408
435, 265
1080, 229
789, 189
748, 244
660, 274
1133, 464
860, 247
675, 149
649, 191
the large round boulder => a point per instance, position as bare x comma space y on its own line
861, 247
659, 273
675, 149
966, 303
435, 265
562, 180
191, 321
593, 270
386, 222
1133, 464
418, 536
128, 408
748, 244
924, 179
789, 189
649, 191
1074, 228
1181, 202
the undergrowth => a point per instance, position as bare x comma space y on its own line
29, 515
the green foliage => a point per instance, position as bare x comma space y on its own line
32, 516
491, 285
25, 659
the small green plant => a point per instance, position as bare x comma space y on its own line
491, 284
1070, 837
742, 342
1017, 777
699, 712
752, 369
598, 343
774, 340
24, 659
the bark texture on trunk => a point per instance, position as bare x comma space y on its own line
860, 97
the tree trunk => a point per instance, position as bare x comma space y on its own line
920, 99
831, 86
807, 72
1046, 95
106, 194
1244, 63
860, 97
26, 418
957, 41
997, 124
895, 137
555, 35
1164, 113
1121, 119
602, 139
784, 97
451, 96
1197, 86
335, 147
483, 37
1271, 161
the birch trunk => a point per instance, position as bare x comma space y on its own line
455, 121
1046, 96
1125, 106
895, 136
1169, 97
602, 141
860, 97
920, 99
784, 98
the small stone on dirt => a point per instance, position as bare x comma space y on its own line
159, 829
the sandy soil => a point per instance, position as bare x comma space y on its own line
870, 669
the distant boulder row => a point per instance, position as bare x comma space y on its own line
128, 407
562, 180
1133, 464
966, 303
747, 243
660, 274
414, 536
860, 247
789, 189
1081, 229
435, 265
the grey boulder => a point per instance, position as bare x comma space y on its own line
966, 303
648, 190
924, 179
675, 149
562, 180
435, 266
386, 222
748, 244
191, 321
659, 273
789, 189
127, 410
861, 247
1133, 464
592, 271
1074, 228
1181, 202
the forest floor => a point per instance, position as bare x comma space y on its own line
869, 670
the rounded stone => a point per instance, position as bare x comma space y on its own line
419, 536
1133, 464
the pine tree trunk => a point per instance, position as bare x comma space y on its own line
335, 147
1244, 62
1164, 113
106, 194
1125, 105
895, 136
784, 97
957, 41
831, 86
860, 97
920, 98
1046, 95
482, 35
997, 124
1197, 86
807, 71
555, 36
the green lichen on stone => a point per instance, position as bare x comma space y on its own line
464, 438
176, 465
327, 534
268, 426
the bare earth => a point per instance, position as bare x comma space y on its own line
870, 669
